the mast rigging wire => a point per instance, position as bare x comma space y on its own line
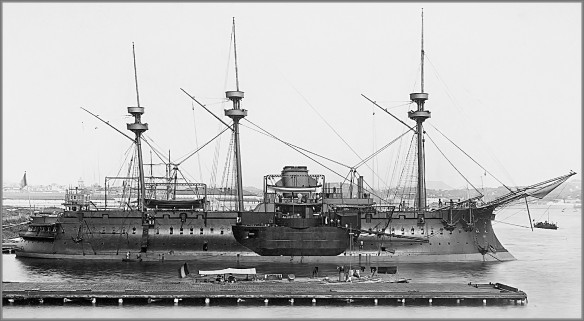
461, 111
197, 141
379, 151
197, 150
324, 120
467, 155
453, 165
298, 149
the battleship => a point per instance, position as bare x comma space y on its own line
301, 218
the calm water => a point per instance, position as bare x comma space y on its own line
548, 269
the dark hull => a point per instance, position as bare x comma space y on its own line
287, 241
109, 235
547, 226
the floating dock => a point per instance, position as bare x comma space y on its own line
274, 292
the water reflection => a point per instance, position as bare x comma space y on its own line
42, 270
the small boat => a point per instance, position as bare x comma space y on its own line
546, 225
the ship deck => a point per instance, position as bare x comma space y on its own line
312, 290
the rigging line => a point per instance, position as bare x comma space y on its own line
391, 177
453, 165
447, 91
405, 103
472, 158
227, 166
517, 212
379, 151
127, 154
562, 190
292, 145
188, 184
323, 119
296, 149
214, 169
219, 119
542, 214
378, 178
385, 110
156, 151
372, 192
207, 143
197, 141
345, 178
496, 221
409, 161
107, 123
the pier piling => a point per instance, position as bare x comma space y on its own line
265, 291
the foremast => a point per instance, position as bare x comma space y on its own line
137, 127
236, 114
419, 116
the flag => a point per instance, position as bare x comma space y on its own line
23, 181
183, 271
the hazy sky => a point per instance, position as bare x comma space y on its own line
504, 82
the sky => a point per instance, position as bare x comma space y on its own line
504, 84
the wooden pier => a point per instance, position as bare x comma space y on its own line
276, 292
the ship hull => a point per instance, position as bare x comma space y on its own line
192, 235
235, 258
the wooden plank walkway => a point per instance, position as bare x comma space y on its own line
313, 289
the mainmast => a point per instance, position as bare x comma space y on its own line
236, 113
138, 128
420, 115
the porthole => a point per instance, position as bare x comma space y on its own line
181, 230
211, 230
191, 230
133, 230
171, 230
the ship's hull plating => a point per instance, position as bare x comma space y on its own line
287, 241
190, 235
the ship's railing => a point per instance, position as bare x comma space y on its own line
160, 188
313, 198
333, 192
